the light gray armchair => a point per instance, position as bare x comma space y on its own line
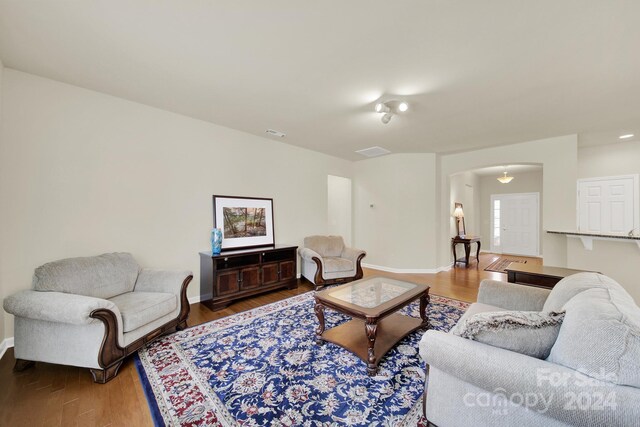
591, 375
327, 261
94, 311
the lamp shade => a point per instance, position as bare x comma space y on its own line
458, 212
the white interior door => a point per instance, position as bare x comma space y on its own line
608, 205
339, 207
515, 223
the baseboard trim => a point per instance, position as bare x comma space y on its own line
6, 344
407, 270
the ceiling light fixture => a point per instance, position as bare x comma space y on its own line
276, 133
390, 108
381, 108
505, 179
627, 136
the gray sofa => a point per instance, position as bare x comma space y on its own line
591, 376
327, 261
93, 312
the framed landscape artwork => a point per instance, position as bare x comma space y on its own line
246, 222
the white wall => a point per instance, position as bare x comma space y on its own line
618, 259
339, 201
394, 211
2, 218
529, 182
558, 156
608, 160
82, 173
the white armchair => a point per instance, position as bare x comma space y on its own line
93, 312
327, 261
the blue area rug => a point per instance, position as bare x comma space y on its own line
263, 368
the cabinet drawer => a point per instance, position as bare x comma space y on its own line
250, 278
270, 273
227, 283
287, 270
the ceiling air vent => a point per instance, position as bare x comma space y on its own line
373, 151
275, 133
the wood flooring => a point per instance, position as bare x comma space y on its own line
56, 395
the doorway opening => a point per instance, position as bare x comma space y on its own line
339, 207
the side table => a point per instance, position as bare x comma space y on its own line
538, 275
466, 241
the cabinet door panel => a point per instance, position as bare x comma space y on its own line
287, 270
250, 278
270, 273
227, 283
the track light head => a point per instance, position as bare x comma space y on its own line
389, 108
382, 108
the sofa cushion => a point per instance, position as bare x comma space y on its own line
139, 308
526, 332
102, 276
572, 285
334, 265
326, 246
600, 336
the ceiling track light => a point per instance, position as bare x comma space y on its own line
390, 108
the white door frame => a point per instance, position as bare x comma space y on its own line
491, 227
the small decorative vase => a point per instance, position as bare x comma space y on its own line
216, 241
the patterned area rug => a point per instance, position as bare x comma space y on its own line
501, 263
263, 368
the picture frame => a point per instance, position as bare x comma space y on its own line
246, 222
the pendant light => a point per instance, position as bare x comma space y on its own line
505, 179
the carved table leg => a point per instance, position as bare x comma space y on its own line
371, 328
478, 253
319, 309
455, 256
21, 365
424, 303
467, 253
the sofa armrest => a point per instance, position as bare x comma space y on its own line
56, 306
512, 296
169, 281
552, 390
308, 254
353, 254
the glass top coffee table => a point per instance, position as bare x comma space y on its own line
376, 326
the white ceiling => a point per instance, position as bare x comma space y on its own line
476, 73
511, 170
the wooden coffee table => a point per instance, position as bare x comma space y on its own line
376, 326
